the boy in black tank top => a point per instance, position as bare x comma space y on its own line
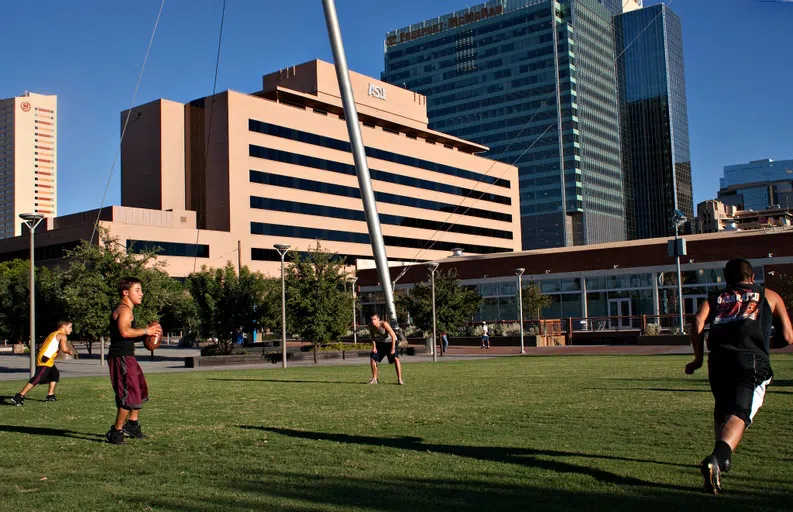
384, 344
126, 376
739, 368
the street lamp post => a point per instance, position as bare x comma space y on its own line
433, 266
31, 221
353, 280
282, 250
679, 249
519, 272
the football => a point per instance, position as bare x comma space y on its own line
152, 342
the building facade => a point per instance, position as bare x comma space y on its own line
224, 178
654, 118
758, 185
714, 216
535, 80
598, 282
28, 159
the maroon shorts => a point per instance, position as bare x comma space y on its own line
128, 382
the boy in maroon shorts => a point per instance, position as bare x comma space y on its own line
126, 375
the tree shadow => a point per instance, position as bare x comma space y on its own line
6, 400
3, 369
54, 432
292, 381
509, 455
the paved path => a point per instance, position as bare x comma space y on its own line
171, 359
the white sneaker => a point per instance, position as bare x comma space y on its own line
401, 382
373, 381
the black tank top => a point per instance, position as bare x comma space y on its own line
120, 346
740, 320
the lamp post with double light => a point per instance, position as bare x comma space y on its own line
678, 249
433, 266
352, 280
282, 250
32, 220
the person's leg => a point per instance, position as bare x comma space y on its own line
54, 378
138, 395
51, 390
25, 390
373, 362
121, 418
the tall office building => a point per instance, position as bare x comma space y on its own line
535, 80
758, 185
28, 159
654, 118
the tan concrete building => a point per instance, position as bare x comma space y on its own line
278, 169
28, 159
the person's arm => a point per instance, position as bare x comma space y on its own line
697, 341
373, 335
64, 344
125, 326
780, 315
391, 333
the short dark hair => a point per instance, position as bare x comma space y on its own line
374, 314
737, 270
126, 283
63, 323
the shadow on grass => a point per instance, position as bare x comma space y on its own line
54, 432
356, 383
294, 490
509, 455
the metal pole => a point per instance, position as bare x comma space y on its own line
679, 283
283, 312
354, 313
520, 306
432, 268
32, 302
359, 156
32, 220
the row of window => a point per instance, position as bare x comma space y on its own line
278, 180
260, 228
169, 248
258, 254
388, 156
358, 215
388, 177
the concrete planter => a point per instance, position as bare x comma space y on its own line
19, 348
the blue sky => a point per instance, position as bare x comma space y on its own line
738, 57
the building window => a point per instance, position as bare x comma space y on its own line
169, 248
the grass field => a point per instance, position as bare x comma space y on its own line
501, 434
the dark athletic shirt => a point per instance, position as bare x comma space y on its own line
740, 321
120, 346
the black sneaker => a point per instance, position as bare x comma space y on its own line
114, 436
18, 400
711, 475
50, 398
133, 431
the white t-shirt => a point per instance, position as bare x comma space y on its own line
484, 329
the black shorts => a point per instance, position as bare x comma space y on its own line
738, 382
45, 375
383, 351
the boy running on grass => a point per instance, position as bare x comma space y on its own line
126, 375
46, 371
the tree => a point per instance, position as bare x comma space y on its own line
534, 301
227, 302
317, 306
15, 300
455, 305
90, 286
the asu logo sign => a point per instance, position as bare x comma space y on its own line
377, 92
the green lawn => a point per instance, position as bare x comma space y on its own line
510, 433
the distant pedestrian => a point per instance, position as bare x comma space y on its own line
485, 336
46, 372
444, 341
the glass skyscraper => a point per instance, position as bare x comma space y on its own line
654, 118
758, 185
534, 80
